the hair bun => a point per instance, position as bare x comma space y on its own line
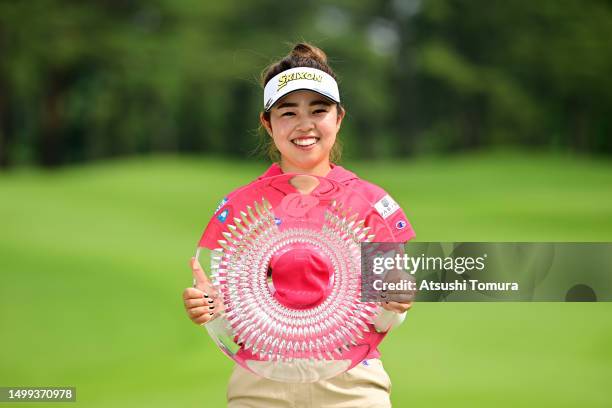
305, 50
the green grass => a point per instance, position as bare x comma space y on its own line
94, 259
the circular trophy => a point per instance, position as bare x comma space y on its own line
287, 264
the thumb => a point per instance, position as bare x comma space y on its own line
199, 277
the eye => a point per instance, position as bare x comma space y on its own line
288, 114
320, 110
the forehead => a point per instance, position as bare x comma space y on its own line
302, 96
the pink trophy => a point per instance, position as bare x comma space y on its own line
285, 258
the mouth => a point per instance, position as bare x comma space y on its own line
305, 142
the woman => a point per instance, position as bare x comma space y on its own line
302, 117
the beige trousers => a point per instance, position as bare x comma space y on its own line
364, 386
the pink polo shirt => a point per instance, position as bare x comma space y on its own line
383, 215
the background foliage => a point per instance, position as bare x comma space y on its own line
87, 80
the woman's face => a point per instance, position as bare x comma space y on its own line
304, 125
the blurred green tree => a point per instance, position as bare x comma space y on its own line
87, 80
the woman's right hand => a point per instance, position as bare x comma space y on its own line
202, 303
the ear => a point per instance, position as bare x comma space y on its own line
265, 123
341, 113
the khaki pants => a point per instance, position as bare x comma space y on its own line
364, 386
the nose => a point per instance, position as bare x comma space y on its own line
305, 125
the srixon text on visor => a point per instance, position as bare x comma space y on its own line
285, 79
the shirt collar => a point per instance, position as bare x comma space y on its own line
337, 173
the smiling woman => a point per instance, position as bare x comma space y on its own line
284, 99
302, 116
303, 127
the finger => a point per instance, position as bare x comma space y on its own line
397, 307
402, 304
212, 311
387, 306
191, 303
193, 293
205, 318
197, 302
402, 307
199, 311
209, 294
200, 278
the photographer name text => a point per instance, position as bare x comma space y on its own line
457, 285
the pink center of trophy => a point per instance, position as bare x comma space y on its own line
301, 277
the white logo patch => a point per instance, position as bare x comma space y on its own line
386, 206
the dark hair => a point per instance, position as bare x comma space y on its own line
302, 55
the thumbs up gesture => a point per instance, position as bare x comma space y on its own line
202, 302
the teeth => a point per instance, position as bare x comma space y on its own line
305, 142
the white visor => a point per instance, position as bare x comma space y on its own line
300, 78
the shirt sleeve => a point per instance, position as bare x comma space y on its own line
389, 222
213, 232
224, 212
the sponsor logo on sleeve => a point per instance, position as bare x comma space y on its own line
223, 216
401, 224
386, 206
